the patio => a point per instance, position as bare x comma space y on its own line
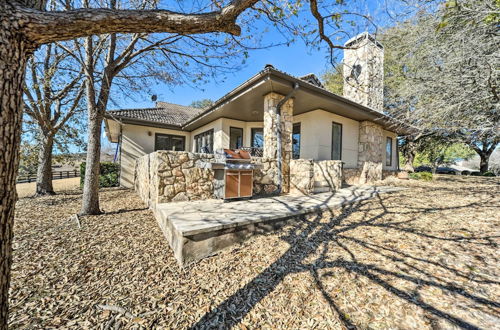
197, 229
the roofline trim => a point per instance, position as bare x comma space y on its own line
268, 72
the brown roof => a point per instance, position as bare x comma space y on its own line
164, 113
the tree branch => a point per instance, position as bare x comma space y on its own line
44, 27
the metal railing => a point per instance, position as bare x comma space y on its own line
31, 177
254, 151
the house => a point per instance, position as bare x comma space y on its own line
347, 134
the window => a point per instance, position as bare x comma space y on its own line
336, 141
204, 142
169, 142
235, 137
388, 151
257, 138
296, 141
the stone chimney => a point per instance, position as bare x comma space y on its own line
364, 71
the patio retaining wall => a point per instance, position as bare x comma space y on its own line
309, 176
174, 176
352, 176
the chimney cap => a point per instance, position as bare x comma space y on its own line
362, 36
268, 66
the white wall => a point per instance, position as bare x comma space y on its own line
216, 125
136, 142
316, 136
222, 128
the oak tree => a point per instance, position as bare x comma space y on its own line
27, 24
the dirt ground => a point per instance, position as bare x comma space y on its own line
28, 189
423, 258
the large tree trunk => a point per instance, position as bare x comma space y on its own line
409, 159
483, 162
13, 55
90, 202
409, 151
44, 172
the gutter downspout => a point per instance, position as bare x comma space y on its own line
279, 157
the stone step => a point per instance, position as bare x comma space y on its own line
197, 229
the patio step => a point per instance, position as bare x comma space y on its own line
198, 229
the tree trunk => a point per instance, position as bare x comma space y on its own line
409, 152
13, 55
44, 172
90, 202
409, 158
484, 162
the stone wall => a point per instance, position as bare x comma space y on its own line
310, 176
184, 176
271, 101
366, 57
142, 184
351, 176
301, 176
370, 152
171, 176
327, 175
265, 180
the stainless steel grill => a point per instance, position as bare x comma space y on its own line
233, 173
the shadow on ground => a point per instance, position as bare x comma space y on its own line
323, 245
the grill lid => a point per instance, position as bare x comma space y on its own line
237, 155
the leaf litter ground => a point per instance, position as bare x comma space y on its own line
425, 257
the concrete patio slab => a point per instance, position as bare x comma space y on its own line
197, 229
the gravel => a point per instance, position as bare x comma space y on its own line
425, 257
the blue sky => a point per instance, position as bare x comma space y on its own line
296, 59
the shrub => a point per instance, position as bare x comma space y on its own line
425, 176
108, 174
489, 173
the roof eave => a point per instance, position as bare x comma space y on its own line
142, 122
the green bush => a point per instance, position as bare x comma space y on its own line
109, 174
425, 176
489, 174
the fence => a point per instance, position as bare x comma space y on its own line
31, 177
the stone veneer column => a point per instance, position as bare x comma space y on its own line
271, 101
370, 151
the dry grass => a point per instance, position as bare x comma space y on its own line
426, 257
28, 189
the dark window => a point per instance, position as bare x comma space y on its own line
169, 142
235, 137
204, 142
336, 141
296, 141
388, 152
257, 138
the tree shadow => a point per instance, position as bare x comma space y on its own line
313, 234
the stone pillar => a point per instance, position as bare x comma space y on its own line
370, 151
271, 101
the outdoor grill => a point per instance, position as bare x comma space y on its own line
233, 174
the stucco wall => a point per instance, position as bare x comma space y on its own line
222, 128
216, 125
316, 136
136, 143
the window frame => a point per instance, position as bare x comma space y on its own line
252, 135
388, 160
300, 138
170, 136
341, 138
242, 135
207, 132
